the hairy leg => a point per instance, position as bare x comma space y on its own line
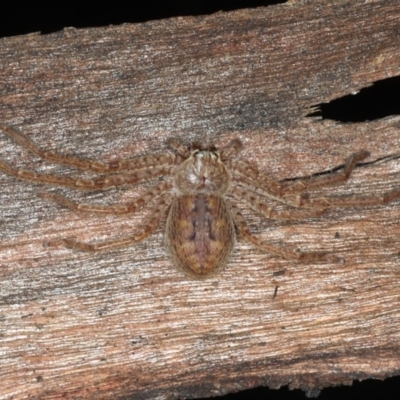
178, 147
231, 150
127, 208
291, 193
144, 231
245, 233
351, 201
254, 200
269, 190
101, 183
87, 164
330, 179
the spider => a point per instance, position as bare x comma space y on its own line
199, 191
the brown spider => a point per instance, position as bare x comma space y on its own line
198, 186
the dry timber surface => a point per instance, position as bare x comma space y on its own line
127, 322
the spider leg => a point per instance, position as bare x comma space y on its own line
88, 164
231, 150
330, 179
290, 193
292, 199
256, 204
127, 208
101, 183
245, 233
351, 201
247, 174
178, 147
146, 230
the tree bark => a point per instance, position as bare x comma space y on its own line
126, 322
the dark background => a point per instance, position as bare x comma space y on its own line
19, 20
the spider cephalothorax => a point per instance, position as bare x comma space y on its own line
202, 172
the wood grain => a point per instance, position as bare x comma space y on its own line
127, 323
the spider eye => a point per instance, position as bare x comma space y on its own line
200, 153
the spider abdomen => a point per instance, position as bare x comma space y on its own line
200, 234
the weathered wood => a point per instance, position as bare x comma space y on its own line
127, 322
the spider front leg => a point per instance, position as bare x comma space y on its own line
333, 178
352, 201
137, 163
102, 183
290, 193
146, 230
245, 233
